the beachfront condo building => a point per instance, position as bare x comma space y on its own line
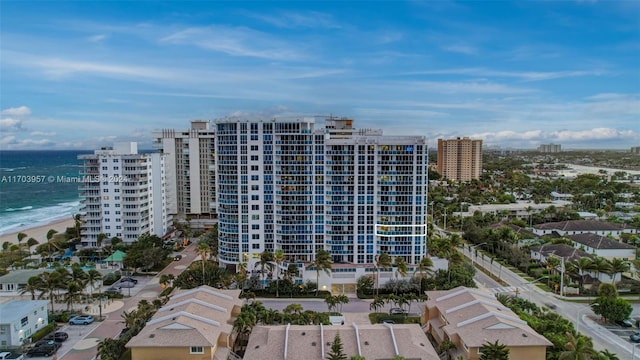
190, 169
303, 184
122, 194
460, 159
550, 148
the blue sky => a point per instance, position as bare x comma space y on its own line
79, 75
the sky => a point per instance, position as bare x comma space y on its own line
83, 74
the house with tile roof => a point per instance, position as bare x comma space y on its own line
470, 318
574, 227
563, 251
193, 324
313, 342
603, 246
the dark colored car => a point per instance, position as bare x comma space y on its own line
129, 279
635, 337
58, 336
397, 311
177, 258
47, 342
625, 323
44, 350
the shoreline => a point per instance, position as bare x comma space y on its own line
38, 232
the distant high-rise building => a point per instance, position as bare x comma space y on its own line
122, 194
285, 184
550, 148
635, 150
190, 168
460, 159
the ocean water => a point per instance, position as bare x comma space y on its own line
34, 189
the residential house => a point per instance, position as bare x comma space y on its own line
19, 319
563, 251
313, 342
194, 324
12, 282
470, 318
573, 227
603, 246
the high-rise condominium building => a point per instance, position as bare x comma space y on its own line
550, 148
123, 194
460, 159
292, 185
190, 167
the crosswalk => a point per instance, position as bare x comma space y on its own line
507, 289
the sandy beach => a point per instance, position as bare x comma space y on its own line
39, 233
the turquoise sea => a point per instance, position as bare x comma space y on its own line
30, 191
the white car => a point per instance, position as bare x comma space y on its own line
11, 356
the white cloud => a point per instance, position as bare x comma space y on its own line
523, 75
97, 38
290, 20
42, 133
11, 125
17, 111
236, 41
560, 136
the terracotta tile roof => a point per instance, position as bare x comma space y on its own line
477, 317
196, 317
304, 342
599, 242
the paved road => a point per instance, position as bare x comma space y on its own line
84, 346
580, 314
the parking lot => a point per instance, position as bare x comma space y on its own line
621, 332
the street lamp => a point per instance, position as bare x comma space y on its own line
578, 317
531, 282
471, 252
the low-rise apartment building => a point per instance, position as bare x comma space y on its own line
471, 318
573, 227
19, 319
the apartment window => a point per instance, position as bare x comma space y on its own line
255, 217
255, 177
24, 321
196, 350
105, 168
254, 147
255, 207
255, 226
255, 246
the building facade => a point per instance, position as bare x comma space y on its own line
295, 186
550, 148
460, 159
20, 319
122, 194
190, 168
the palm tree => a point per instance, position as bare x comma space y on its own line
494, 351
93, 275
50, 235
73, 291
401, 269
617, 266
376, 304
77, 224
600, 265
33, 285
584, 264
30, 243
266, 261
382, 261
607, 355
278, 257
322, 262
578, 348
203, 251
21, 236
50, 282
110, 349
241, 275
424, 266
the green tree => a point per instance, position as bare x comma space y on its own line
93, 276
278, 258
266, 261
578, 348
322, 262
21, 237
110, 349
33, 285
617, 266
73, 292
607, 355
494, 351
337, 350
203, 251
612, 309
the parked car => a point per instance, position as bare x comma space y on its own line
635, 337
6, 355
58, 336
125, 284
113, 290
49, 342
387, 321
129, 279
177, 258
44, 350
81, 320
625, 323
397, 311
